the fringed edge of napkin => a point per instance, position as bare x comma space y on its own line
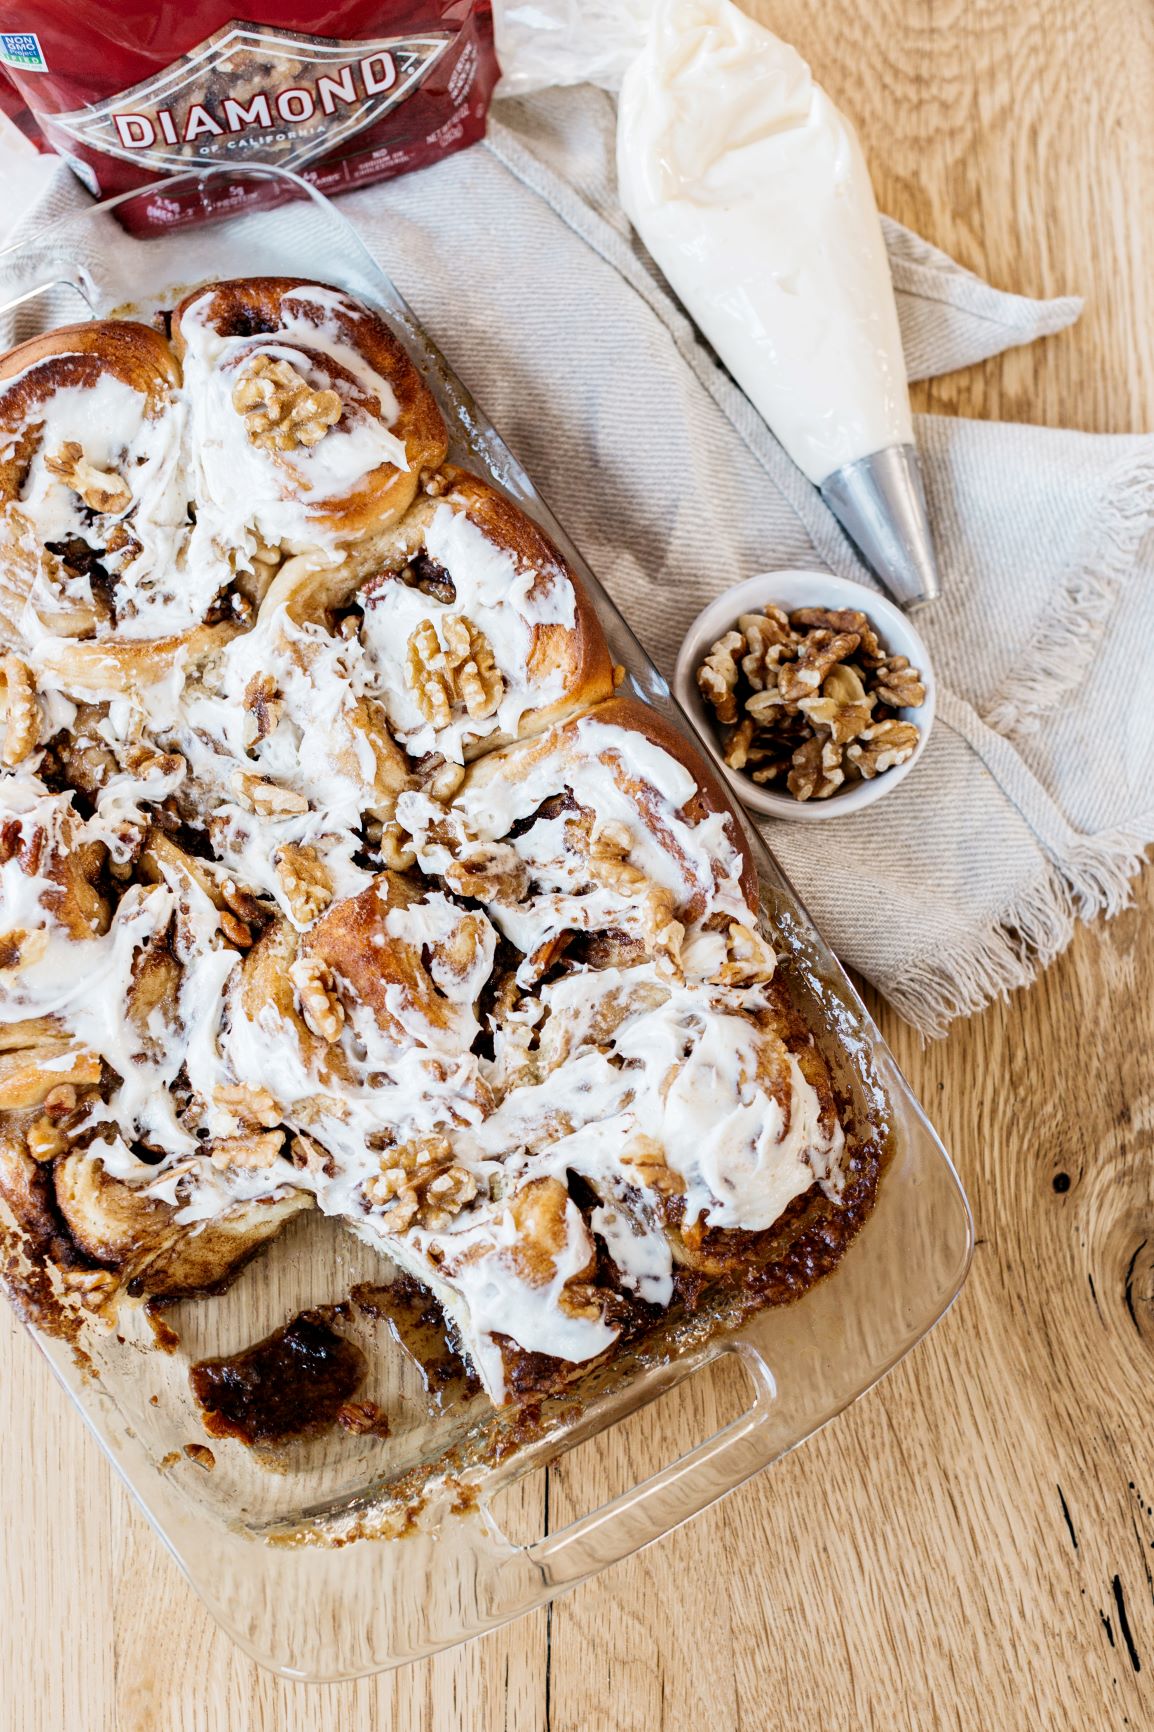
1029, 934
1067, 640
1080, 876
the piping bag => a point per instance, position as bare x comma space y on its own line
751, 192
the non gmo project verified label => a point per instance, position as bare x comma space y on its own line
21, 49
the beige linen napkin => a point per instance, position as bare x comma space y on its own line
1032, 805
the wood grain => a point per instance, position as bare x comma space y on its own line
972, 1545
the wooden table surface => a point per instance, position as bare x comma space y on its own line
973, 1544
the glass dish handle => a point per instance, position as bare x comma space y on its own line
660, 1503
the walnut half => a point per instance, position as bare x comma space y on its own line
419, 1181
281, 409
463, 672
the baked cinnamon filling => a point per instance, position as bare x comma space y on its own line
334, 876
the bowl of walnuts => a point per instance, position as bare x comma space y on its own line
815, 695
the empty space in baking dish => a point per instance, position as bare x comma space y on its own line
454, 1534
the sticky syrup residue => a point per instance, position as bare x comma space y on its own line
418, 1326
293, 1383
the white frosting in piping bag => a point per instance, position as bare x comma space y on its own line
750, 190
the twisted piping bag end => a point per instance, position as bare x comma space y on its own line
880, 502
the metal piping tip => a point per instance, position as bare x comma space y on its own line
881, 504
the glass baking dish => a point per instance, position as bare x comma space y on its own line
361, 1553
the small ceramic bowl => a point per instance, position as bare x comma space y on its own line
790, 590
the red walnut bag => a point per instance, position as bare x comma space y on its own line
133, 92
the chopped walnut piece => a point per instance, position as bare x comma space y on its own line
717, 676
882, 747
837, 619
150, 764
242, 902
248, 1105
463, 671
235, 930
821, 651
420, 1181
101, 489
22, 949
751, 961
736, 743
305, 880
491, 872
439, 776
320, 1002
898, 685
609, 850
257, 1149
267, 798
581, 1299
842, 707
395, 847
95, 1286
446, 1195
363, 1419
45, 1140
281, 409
310, 1157
771, 770
768, 639
817, 770
263, 704
609, 865
21, 710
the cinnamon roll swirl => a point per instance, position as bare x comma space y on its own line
475, 630
93, 497
310, 426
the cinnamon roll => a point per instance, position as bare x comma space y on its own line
310, 427
608, 831
475, 630
93, 496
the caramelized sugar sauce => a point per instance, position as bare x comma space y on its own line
293, 1383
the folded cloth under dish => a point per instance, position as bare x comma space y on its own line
1031, 808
